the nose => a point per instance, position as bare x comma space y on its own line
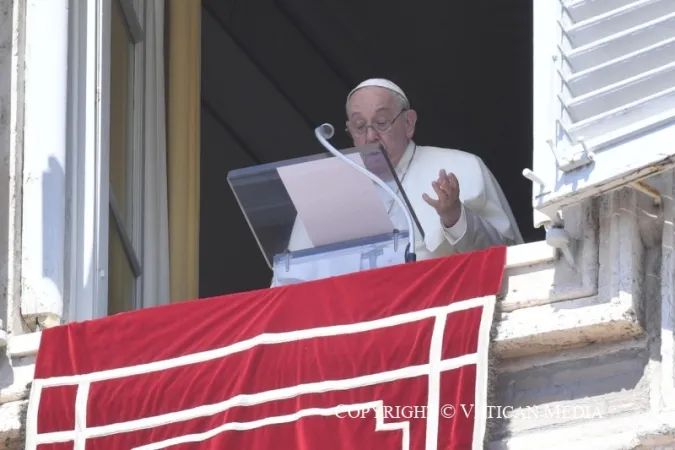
371, 135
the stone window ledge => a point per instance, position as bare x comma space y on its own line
548, 306
23, 345
22, 350
646, 430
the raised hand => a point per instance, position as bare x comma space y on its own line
447, 205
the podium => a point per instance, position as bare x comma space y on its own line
316, 217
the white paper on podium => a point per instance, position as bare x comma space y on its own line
335, 202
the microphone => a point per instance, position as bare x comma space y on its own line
325, 132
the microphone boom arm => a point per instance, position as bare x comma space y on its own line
325, 132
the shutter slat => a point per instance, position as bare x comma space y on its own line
628, 66
618, 20
581, 10
617, 67
623, 43
622, 93
625, 116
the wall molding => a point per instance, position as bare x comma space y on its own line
599, 300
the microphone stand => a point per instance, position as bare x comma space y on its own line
325, 132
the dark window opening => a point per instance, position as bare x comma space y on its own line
272, 70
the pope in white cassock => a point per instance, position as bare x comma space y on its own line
457, 200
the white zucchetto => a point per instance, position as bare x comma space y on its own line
383, 83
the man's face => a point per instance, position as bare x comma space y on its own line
377, 107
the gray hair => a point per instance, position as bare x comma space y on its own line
401, 101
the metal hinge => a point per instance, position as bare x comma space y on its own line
558, 238
566, 162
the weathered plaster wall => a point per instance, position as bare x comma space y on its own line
5, 114
16, 369
596, 371
10, 164
16, 374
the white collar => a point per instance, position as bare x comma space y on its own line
404, 163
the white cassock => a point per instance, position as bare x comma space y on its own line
486, 219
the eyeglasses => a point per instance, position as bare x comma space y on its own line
380, 126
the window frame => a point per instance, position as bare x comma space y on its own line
137, 184
89, 208
134, 14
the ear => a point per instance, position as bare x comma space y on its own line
410, 121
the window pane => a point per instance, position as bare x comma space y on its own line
121, 281
121, 107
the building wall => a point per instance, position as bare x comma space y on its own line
16, 370
596, 370
590, 346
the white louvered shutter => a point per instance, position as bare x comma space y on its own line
604, 96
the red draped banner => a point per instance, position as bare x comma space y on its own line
393, 358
